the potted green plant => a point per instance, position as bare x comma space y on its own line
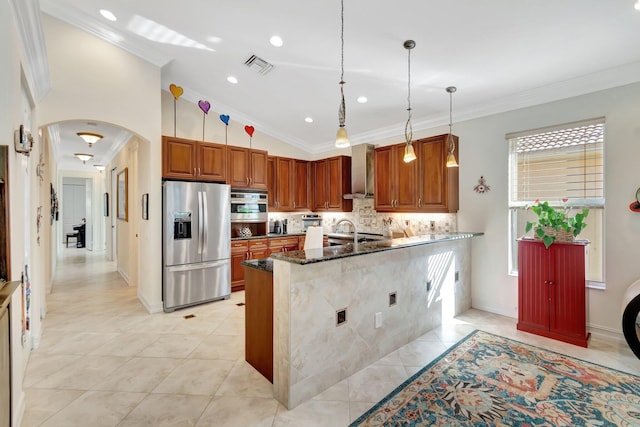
556, 224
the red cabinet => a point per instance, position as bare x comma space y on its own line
552, 291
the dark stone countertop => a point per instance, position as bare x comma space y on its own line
263, 264
335, 252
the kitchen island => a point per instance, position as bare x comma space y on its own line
339, 309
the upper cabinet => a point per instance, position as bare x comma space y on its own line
424, 185
331, 180
438, 184
193, 160
288, 184
247, 168
397, 189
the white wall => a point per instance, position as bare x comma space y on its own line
484, 151
126, 89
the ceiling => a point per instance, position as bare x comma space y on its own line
500, 54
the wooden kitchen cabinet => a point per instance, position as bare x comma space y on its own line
331, 180
282, 244
193, 160
552, 291
247, 168
424, 185
242, 250
288, 184
398, 189
438, 184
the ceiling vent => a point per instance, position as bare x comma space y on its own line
258, 65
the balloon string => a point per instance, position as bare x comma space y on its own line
203, 118
174, 117
226, 128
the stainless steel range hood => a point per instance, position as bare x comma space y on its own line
361, 172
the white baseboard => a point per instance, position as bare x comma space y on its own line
124, 276
151, 307
494, 310
17, 420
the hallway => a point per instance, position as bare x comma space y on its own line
104, 361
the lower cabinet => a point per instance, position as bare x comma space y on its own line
282, 244
258, 298
243, 250
552, 291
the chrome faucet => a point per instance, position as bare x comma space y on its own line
355, 230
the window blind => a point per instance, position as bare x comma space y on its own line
561, 165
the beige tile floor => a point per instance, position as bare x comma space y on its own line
104, 361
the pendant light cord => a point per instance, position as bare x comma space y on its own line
342, 109
408, 129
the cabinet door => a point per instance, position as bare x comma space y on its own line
405, 181
320, 184
258, 248
339, 171
178, 158
383, 195
258, 169
431, 156
212, 162
301, 198
533, 289
567, 290
272, 184
284, 187
238, 167
239, 253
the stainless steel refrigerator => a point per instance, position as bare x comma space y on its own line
196, 243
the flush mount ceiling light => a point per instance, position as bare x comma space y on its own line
108, 15
409, 153
308, 119
362, 100
89, 137
451, 158
342, 139
276, 41
83, 156
99, 167
232, 80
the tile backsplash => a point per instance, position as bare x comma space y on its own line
369, 221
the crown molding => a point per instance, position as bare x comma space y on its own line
26, 14
61, 10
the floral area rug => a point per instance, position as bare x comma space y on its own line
488, 380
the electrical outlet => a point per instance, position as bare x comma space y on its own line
378, 320
392, 299
428, 285
341, 317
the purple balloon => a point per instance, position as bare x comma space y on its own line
204, 106
225, 119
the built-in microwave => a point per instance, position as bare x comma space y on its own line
249, 206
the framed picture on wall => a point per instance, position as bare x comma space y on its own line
105, 202
122, 207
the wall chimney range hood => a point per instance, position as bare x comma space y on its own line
361, 172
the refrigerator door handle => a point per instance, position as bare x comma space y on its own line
200, 222
198, 266
205, 221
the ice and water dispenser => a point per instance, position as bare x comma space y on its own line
182, 225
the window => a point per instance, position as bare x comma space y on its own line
563, 165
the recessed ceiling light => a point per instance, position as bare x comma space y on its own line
107, 14
276, 41
637, 5
362, 99
232, 79
308, 119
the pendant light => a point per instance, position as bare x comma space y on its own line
409, 153
342, 139
451, 158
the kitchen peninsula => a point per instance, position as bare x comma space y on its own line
338, 309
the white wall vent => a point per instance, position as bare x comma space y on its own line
258, 64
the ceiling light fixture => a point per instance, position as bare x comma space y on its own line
636, 6
84, 156
89, 137
108, 15
409, 153
99, 167
362, 100
232, 80
342, 139
308, 119
451, 158
276, 41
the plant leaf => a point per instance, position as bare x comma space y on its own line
548, 240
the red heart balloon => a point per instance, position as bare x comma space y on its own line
249, 130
